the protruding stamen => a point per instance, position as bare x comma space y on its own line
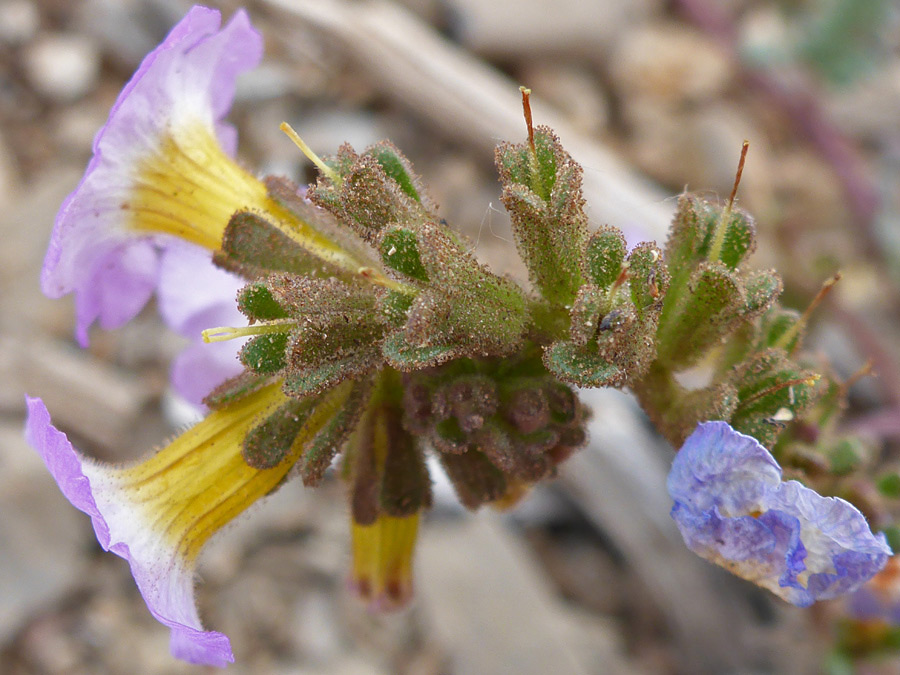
223, 333
722, 225
332, 175
792, 332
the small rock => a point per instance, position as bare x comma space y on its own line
669, 63
19, 21
62, 67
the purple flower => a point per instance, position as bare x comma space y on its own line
159, 513
194, 295
734, 510
158, 169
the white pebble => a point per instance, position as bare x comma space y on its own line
62, 67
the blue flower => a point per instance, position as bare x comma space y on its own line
734, 510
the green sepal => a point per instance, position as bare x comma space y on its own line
309, 380
475, 479
466, 305
394, 307
304, 297
252, 247
582, 365
536, 170
361, 462
703, 317
648, 279
370, 200
542, 192
327, 338
399, 251
693, 231
397, 168
265, 354
331, 438
399, 354
762, 289
287, 195
406, 485
267, 444
604, 256
255, 301
377, 188
740, 238
775, 324
766, 384
519, 460
235, 389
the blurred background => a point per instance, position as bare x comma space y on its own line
589, 575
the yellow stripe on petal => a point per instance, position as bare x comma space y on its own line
200, 482
190, 188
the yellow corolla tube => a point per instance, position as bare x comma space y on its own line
159, 513
382, 572
189, 187
163, 166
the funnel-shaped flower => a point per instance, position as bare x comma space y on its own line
158, 168
159, 513
162, 168
734, 510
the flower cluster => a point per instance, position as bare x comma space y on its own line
367, 330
